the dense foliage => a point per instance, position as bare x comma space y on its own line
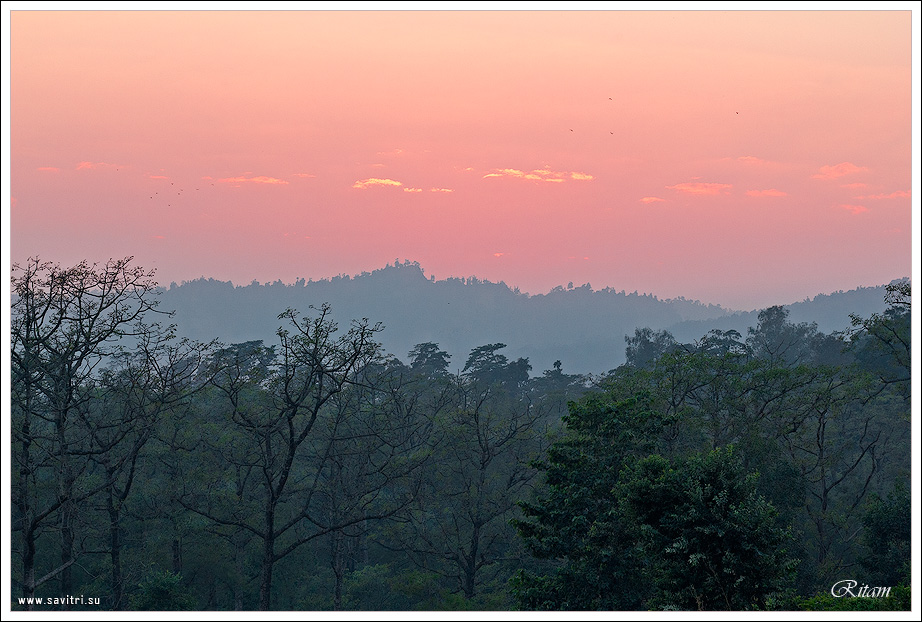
321, 472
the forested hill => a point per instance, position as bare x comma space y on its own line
581, 327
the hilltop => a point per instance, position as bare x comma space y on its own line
581, 327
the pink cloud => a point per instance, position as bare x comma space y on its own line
839, 170
699, 187
651, 200
855, 186
49, 169
442, 190
899, 194
260, 179
304, 175
93, 165
364, 184
751, 160
766, 193
854, 209
160, 177
543, 174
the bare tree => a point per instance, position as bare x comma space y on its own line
154, 378
65, 324
266, 463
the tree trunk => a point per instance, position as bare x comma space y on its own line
115, 549
470, 567
265, 585
28, 564
25, 512
67, 549
177, 555
338, 562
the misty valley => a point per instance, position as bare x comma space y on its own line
391, 442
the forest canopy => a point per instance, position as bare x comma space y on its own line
317, 471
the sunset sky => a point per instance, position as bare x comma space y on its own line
744, 158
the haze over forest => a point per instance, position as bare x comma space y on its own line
583, 328
743, 470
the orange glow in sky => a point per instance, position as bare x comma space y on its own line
744, 158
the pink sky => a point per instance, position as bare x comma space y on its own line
742, 158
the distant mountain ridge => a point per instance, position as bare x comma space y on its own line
581, 327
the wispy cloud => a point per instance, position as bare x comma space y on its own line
839, 170
85, 165
163, 177
854, 209
699, 187
498, 254
899, 194
372, 182
446, 190
752, 160
303, 175
772, 192
651, 200
409, 189
259, 179
49, 169
541, 174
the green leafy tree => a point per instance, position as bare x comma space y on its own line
647, 345
484, 441
574, 522
883, 342
163, 591
428, 359
888, 538
709, 541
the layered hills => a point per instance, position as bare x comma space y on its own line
579, 326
